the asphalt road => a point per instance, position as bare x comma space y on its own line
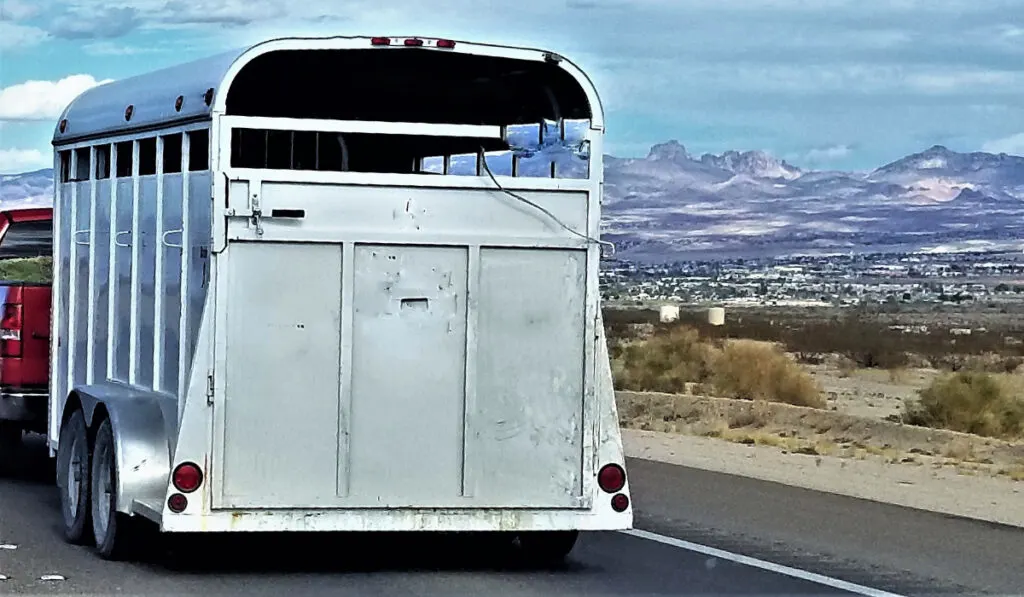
886, 547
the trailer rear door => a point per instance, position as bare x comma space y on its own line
383, 374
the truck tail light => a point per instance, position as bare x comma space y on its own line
187, 477
10, 330
611, 478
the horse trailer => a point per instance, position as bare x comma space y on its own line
286, 304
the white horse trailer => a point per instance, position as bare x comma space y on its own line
335, 284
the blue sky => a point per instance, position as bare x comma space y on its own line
823, 83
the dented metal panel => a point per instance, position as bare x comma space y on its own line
405, 418
280, 412
525, 426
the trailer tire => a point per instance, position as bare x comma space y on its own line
113, 531
10, 447
547, 547
74, 472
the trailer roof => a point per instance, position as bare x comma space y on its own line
153, 97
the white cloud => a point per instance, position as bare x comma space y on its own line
42, 100
16, 10
18, 37
825, 154
1014, 144
14, 161
109, 48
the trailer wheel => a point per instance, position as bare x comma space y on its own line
10, 447
73, 478
547, 547
112, 530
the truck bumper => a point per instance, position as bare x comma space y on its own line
24, 404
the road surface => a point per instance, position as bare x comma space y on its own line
879, 546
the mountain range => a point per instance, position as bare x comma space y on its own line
671, 205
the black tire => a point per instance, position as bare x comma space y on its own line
74, 479
10, 447
113, 531
547, 547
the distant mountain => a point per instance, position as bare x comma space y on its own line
671, 205
29, 189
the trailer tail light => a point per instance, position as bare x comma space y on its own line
10, 330
187, 477
380, 41
413, 41
177, 503
445, 43
611, 478
620, 502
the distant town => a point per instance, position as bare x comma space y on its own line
834, 280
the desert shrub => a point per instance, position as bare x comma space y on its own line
36, 270
752, 370
971, 402
664, 363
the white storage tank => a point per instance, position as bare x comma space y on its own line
669, 313
716, 316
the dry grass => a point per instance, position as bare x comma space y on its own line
664, 363
970, 402
751, 370
679, 360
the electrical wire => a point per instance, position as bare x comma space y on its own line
587, 237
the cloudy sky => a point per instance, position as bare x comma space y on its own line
823, 83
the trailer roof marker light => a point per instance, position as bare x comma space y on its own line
380, 41
177, 503
63, 125
128, 112
178, 103
445, 43
187, 477
611, 478
620, 502
414, 41
208, 96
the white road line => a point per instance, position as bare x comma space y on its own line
827, 581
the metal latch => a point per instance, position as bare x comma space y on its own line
209, 389
257, 213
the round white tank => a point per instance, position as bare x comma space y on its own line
669, 313
716, 316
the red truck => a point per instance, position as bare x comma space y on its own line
26, 253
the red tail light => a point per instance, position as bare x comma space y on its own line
611, 478
445, 43
187, 477
380, 41
177, 503
10, 330
620, 502
412, 41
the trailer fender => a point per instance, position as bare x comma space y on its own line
141, 444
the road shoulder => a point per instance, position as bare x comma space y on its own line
945, 491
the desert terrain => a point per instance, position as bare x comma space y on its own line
903, 407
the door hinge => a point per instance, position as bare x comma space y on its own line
209, 389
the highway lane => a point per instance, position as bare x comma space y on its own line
671, 500
899, 549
